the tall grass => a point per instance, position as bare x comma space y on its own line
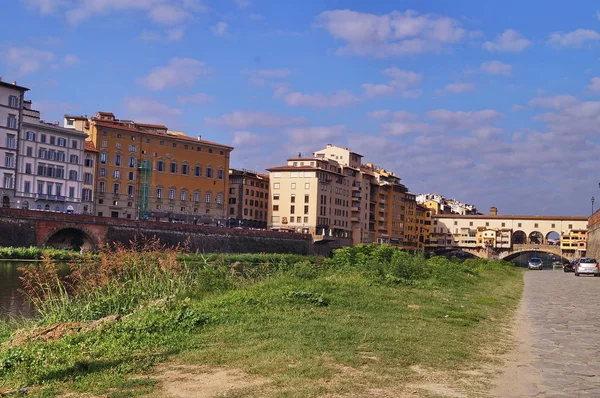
37, 253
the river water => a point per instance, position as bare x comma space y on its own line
12, 301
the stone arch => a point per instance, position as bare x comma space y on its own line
552, 237
519, 238
536, 237
71, 237
5, 201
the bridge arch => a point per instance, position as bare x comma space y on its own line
71, 238
536, 238
519, 238
552, 236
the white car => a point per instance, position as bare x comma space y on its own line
588, 266
535, 263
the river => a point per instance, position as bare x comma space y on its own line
12, 301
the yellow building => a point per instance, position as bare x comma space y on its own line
90, 160
424, 225
145, 171
248, 199
574, 240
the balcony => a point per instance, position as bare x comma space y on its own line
355, 208
381, 218
356, 188
355, 219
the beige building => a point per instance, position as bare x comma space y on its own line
248, 204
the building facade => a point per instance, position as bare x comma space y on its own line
50, 165
12, 98
248, 203
145, 171
90, 161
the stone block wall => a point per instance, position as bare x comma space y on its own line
593, 238
17, 232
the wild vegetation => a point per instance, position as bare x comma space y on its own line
311, 326
36, 253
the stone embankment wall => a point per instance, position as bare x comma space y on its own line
593, 238
17, 232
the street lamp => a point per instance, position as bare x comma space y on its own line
593, 199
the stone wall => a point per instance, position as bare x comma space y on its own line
593, 238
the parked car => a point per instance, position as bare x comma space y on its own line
570, 266
535, 263
588, 266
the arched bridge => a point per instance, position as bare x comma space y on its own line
503, 254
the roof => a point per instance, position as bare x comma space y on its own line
116, 125
152, 126
514, 217
89, 146
302, 168
75, 117
14, 86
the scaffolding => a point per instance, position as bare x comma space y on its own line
145, 175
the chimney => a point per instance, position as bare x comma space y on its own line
493, 211
14, 83
199, 138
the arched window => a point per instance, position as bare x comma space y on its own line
208, 197
172, 192
197, 196
220, 198
183, 195
25, 205
132, 161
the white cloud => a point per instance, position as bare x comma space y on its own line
245, 139
393, 34
496, 68
594, 86
149, 110
220, 29
168, 14
255, 16
174, 34
280, 89
379, 115
72, 60
180, 72
556, 102
242, 3
403, 78
260, 77
199, 98
573, 39
402, 128
376, 90
318, 100
46, 6
247, 119
28, 60
517, 108
457, 88
509, 41
462, 120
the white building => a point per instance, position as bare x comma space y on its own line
50, 165
11, 113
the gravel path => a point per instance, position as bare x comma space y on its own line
558, 334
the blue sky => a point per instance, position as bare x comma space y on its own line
491, 103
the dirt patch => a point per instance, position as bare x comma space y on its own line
204, 382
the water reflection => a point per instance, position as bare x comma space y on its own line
12, 301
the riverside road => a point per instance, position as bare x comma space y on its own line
558, 330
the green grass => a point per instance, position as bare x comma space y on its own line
311, 327
37, 253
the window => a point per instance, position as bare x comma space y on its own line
73, 175
13, 101
58, 189
292, 209
535, 225
88, 178
74, 144
70, 122
209, 172
132, 162
276, 185
131, 176
305, 209
173, 167
104, 158
220, 198
116, 173
43, 138
29, 151
102, 172
11, 122
519, 225
30, 136
101, 186
27, 187
104, 144
160, 165
306, 198
275, 207
487, 224
293, 199
130, 190
159, 193
132, 148
307, 185
40, 187
118, 160
72, 190
116, 188
74, 159
185, 169
220, 174
305, 219
8, 181
174, 145
276, 196
62, 141
86, 195
198, 171
9, 160
183, 196
570, 226
196, 196
208, 197
293, 185
89, 162
11, 142
118, 145
171, 193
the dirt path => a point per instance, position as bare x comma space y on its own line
557, 339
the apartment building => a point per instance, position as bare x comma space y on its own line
145, 171
423, 225
342, 197
89, 177
49, 166
574, 240
12, 98
248, 199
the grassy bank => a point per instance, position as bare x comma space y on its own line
365, 320
37, 253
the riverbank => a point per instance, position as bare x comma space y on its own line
371, 321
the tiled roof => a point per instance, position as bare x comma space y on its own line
116, 125
301, 168
89, 146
